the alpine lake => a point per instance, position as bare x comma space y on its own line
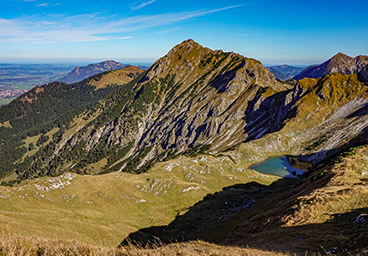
281, 166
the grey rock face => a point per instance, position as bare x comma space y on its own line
211, 94
363, 75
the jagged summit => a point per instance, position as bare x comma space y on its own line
189, 60
339, 63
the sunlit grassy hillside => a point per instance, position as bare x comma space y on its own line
104, 209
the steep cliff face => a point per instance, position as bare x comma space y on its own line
340, 63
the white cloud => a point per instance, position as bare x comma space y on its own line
137, 6
86, 27
43, 4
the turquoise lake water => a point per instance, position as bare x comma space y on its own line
278, 166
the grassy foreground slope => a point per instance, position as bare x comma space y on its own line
104, 209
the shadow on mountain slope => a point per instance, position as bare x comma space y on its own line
217, 216
253, 215
271, 114
221, 83
362, 111
342, 233
213, 218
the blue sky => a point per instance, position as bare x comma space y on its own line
274, 32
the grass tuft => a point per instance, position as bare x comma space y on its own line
24, 246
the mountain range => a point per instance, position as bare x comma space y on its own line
196, 120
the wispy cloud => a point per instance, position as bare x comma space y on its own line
123, 37
54, 28
162, 32
139, 5
203, 13
43, 4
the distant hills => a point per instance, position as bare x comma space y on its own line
284, 72
340, 63
79, 73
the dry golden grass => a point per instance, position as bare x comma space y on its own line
118, 77
34, 140
6, 124
18, 245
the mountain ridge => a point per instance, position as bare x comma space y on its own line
339, 63
80, 73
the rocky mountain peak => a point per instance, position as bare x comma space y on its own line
341, 59
190, 61
340, 55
